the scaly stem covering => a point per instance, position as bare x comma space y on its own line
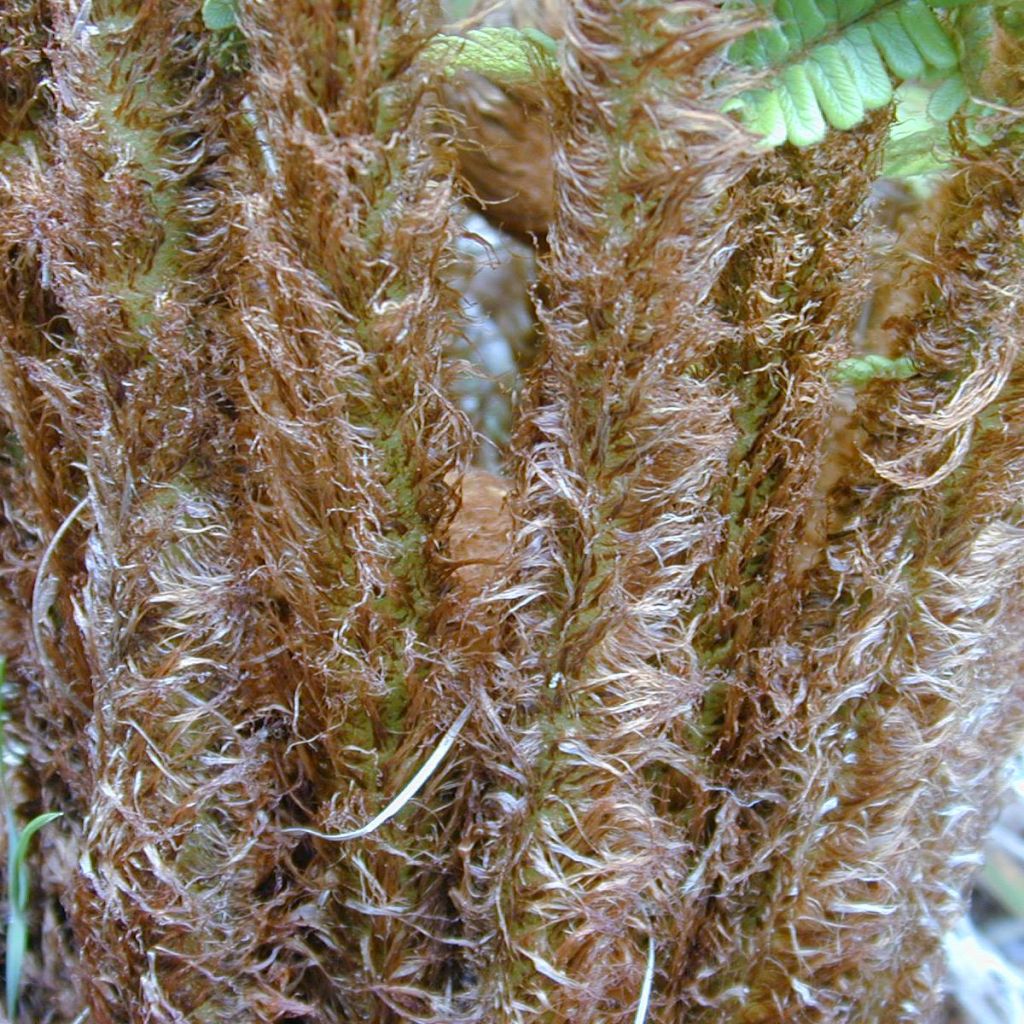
697, 713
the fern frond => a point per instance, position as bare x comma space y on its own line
861, 370
507, 56
835, 60
918, 144
985, 92
220, 15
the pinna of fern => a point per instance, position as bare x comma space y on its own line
828, 64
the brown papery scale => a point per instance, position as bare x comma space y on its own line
503, 132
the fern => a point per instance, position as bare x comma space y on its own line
828, 63
508, 56
835, 60
919, 143
862, 370
220, 15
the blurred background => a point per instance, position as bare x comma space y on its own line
986, 952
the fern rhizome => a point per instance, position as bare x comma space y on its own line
695, 706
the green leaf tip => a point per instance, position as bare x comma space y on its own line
861, 370
835, 60
506, 56
16, 939
18, 893
219, 15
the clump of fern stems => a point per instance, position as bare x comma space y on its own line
727, 665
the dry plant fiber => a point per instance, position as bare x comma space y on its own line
697, 713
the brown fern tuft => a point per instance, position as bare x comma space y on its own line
696, 712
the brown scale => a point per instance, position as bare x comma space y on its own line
503, 136
479, 533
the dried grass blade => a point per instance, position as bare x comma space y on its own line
40, 590
644, 1002
415, 784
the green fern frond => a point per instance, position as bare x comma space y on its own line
919, 143
507, 56
220, 15
835, 60
861, 370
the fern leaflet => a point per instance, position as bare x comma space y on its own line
835, 60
